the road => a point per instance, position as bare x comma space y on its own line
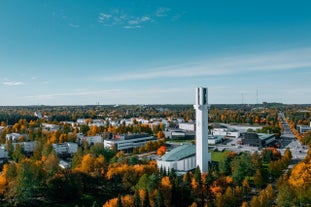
289, 140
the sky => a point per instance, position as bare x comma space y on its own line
82, 52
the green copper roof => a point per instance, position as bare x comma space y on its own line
179, 153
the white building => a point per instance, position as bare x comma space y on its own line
91, 140
214, 139
225, 132
28, 147
187, 126
14, 137
3, 154
128, 142
201, 110
68, 122
303, 128
50, 127
97, 122
182, 159
81, 121
65, 149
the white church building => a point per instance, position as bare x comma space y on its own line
188, 157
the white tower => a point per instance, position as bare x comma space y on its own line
201, 111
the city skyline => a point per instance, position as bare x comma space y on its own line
138, 52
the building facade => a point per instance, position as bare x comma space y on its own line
182, 159
128, 142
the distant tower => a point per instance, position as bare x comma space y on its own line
201, 111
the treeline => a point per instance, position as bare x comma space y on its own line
263, 114
239, 180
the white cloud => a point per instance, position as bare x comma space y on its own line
119, 18
162, 12
74, 25
132, 27
12, 83
272, 61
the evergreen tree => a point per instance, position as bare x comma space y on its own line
137, 202
172, 174
197, 175
119, 201
146, 202
159, 202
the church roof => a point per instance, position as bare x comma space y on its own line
180, 153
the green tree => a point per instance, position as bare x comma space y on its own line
119, 201
242, 166
197, 175
159, 202
27, 184
146, 202
18, 153
225, 166
258, 179
137, 202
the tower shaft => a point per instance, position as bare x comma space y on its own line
201, 108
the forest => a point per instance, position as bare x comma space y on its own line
99, 176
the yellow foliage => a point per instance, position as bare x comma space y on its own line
166, 190
301, 175
87, 164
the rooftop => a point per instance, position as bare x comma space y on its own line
264, 136
179, 153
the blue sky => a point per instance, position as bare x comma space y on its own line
77, 52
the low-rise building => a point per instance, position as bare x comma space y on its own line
303, 128
227, 133
28, 147
3, 155
14, 137
215, 139
188, 126
65, 149
128, 142
182, 159
258, 139
90, 140
50, 127
179, 134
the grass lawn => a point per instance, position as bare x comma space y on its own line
218, 156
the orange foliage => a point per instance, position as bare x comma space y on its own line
3, 180
161, 151
215, 189
229, 180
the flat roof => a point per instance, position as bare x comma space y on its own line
180, 153
264, 136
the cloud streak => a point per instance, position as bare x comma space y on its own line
124, 96
271, 61
12, 83
117, 17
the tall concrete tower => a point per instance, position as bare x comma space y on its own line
201, 111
